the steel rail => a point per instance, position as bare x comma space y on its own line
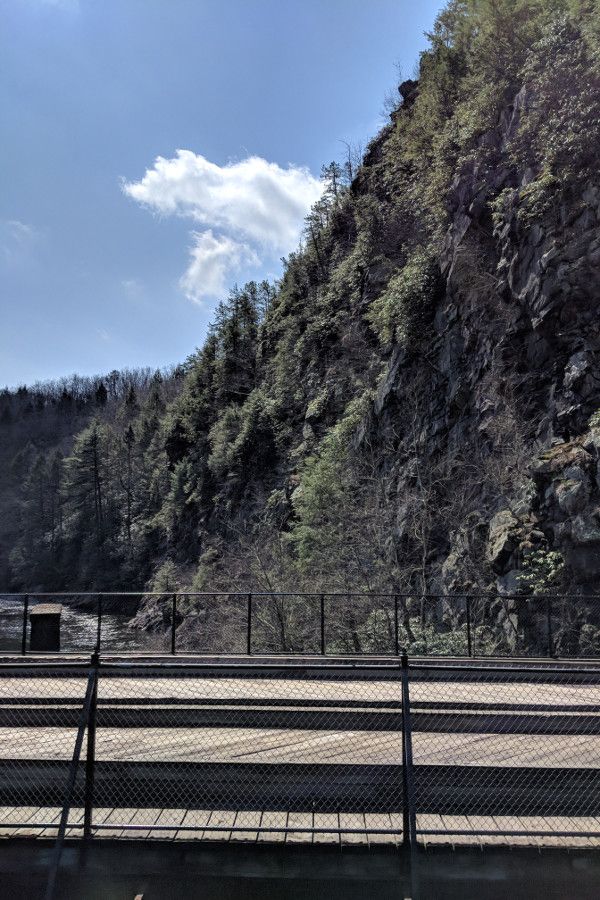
70, 787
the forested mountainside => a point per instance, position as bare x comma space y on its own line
59, 443
413, 407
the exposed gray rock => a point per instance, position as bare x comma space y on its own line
571, 496
584, 560
510, 583
585, 530
503, 538
513, 356
576, 368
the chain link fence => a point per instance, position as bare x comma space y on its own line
42, 712
505, 753
233, 750
396, 752
440, 625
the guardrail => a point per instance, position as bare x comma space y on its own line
401, 751
324, 624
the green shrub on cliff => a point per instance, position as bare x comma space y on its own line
401, 312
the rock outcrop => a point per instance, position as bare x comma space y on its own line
512, 373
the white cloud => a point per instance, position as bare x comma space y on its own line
213, 259
252, 211
132, 287
16, 238
18, 231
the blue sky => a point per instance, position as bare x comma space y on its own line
114, 246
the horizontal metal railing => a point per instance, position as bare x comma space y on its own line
318, 623
407, 749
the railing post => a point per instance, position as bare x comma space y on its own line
90, 762
84, 720
24, 634
322, 624
249, 627
408, 799
396, 627
549, 622
99, 625
469, 640
173, 616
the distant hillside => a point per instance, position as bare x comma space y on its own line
41, 429
412, 408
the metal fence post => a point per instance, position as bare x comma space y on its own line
173, 615
24, 635
408, 805
322, 624
249, 627
90, 762
84, 720
549, 622
409, 817
469, 643
99, 626
396, 626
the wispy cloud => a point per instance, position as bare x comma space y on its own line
132, 287
16, 239
248, 211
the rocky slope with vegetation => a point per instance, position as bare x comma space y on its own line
414, 406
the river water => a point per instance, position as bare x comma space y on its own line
78, 630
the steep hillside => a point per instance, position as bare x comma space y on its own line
49, 492
413, 407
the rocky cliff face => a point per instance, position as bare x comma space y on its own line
510, 380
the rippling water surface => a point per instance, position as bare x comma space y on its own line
78, 630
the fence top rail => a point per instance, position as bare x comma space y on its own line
60, 667
415, 595
542, 669
259, 667
167, 664
185, 667
73, 658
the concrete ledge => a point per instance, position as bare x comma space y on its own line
122, 869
